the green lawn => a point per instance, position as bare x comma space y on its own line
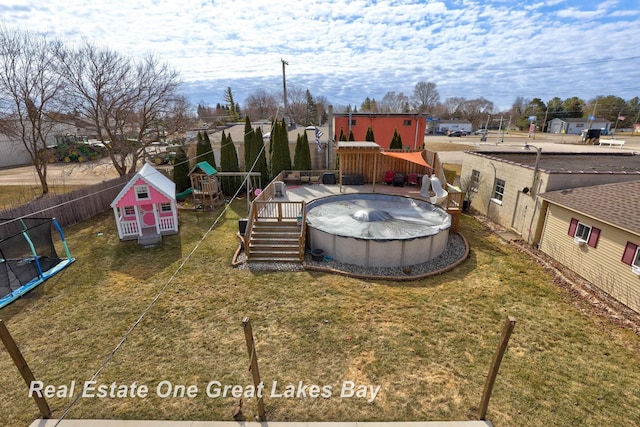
427, 344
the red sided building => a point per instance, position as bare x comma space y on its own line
410, 127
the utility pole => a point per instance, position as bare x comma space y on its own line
284, 88
500, 129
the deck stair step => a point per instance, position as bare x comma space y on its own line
274, 241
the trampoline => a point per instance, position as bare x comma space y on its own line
28, 255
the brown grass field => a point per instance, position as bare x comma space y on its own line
427, 344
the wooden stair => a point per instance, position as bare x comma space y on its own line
275, 241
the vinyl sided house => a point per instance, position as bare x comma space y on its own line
504, 186
410, 127
146, 209
595, 232
576, 126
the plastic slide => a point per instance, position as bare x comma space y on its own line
184, 194
440, 193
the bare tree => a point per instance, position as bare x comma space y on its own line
476, 110
394, 103
122, 100
178, 118
453, 106
29, 89
297, 104
262, 105
425, 97
157, 86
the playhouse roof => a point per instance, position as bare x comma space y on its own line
152, 177
205, 167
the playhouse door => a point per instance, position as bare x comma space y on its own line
147, 216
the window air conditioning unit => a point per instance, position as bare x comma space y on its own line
579, 241
636, 269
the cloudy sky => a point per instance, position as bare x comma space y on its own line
346, 50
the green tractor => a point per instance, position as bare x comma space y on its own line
161, 153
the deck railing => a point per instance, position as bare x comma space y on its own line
264, 207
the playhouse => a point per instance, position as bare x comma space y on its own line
145, 209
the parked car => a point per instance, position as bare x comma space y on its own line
457, 133
481, 132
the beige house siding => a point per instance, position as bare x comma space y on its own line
518, 211
13, 153
602, 265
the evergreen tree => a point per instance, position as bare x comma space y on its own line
305, 154
181, 171
302, 157
296, 154
312, 109
261, 163
249, 138
229, 163
351, 136
342, 137
280, 157
396, 141
231, 105
369, 136
210, 156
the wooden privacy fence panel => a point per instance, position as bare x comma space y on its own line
71, 208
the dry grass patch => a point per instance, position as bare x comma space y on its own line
11, 195
427, 344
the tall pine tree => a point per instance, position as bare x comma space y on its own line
249, 138
181, 171
302, 157
261, 162
280, 156
204, 151
229, 163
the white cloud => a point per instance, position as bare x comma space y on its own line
347, 50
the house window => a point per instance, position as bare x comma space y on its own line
406, 122
353, 122
474, 184
584, 233
165, 207
129, 211
498, 191
142, 192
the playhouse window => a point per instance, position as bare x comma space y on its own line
142, 192
129, 211
165, 207
407, 123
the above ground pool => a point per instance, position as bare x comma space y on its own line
377, 230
